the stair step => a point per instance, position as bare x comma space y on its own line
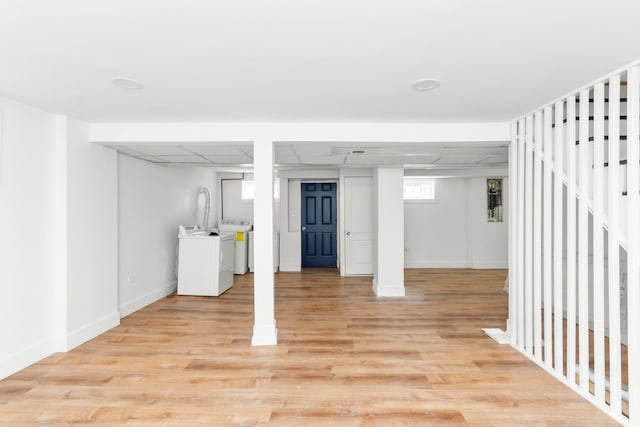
606, 138
622, 162
590, 119
607, 100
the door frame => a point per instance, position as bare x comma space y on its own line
344, 174
338, 206
338, 215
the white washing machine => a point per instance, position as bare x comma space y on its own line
240, 233
205, 263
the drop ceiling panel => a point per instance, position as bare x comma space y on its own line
216, 149
325, 153
229, 159
460, 158
127, 150
187, 164
182, 159
500, 158
389, 160
322, 160
285, 155
312, 149
159, 150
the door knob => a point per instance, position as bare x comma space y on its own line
348, 233
304, 228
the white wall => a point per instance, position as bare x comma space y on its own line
453, 231
489, 240
153, 201
27, 243
436, 233
92, 264
58, 226
232, 206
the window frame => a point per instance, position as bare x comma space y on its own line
432, 181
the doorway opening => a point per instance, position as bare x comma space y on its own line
319, 224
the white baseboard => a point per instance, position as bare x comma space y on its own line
92, 330
488, 265
436, 264
144, 300
265, 334
498, 335
393, 290
455, 264
18, 360
290, 268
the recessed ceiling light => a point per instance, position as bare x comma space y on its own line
425, 84
127, 83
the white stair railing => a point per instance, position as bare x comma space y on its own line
569, 205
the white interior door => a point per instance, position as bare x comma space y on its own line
358, 227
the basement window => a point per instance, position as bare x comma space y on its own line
248, 190
419, 188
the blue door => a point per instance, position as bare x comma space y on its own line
319, 224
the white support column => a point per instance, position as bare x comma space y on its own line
633, 248
613, 201
558, 190
528, 237
571, 239
264, 328
583, 243
537, 239
547, 237
598, 241
388, 277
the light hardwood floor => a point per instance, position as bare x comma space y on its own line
345, 358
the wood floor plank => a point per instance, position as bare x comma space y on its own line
345, 358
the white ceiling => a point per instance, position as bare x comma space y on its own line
330, 154
308, 60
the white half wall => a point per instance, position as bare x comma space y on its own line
28, 201
153, 201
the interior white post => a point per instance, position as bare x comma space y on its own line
571, 239
598, 241
528, 237
584, 169
633, 250
388, 276
558, 214
512, 215
537, 239
264, 328
547, 237
614, 193
520, 234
